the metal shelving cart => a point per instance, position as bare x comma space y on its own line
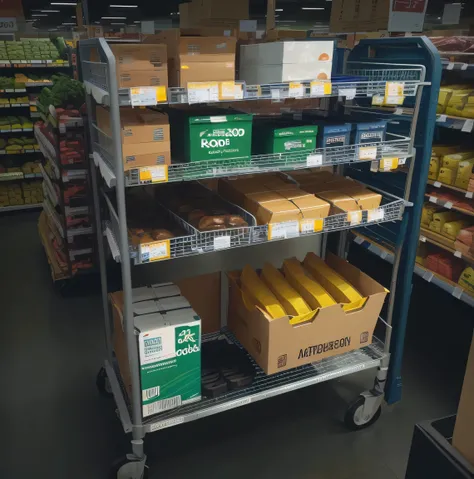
407, 68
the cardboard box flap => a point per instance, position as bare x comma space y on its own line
195, 46
160, 305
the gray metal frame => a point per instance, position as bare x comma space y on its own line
101, 85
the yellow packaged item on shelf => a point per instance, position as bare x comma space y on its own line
464, 173
441, 150
443, 99
261, 296
338, 287
446, 176
439, 219
427, 213
311, 291
452, 228
466, 280
434, 168
290, 299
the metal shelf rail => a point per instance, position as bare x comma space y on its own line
379, 78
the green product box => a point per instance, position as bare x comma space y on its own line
169, 346
216, 135
276, 138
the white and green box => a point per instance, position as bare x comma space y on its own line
170, 359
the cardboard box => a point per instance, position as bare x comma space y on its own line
270, 207
143, 126
172, 338
359, 15
463, 437
217, 9
135, 78
277, 345
137, 56
146, 154
206, 71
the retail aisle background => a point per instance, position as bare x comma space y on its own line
57, 425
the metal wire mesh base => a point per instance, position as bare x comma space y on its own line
265, 386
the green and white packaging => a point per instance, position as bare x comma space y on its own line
169, 347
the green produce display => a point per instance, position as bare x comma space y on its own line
15, 122
65, 93
6, 83
28, 50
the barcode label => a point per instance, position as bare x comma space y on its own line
160, 406
150, 393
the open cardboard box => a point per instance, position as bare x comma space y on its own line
278, 345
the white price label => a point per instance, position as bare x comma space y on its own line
314, 160
358, 240
458, 254
464, 66
283, 230
168, 423
428, 276
377, 214
441, 118
383, 254
368, 153
238, 92
319, 88
221, 242
457, 292
433, 199
296, 90
394, 88
156, 251
203, 92
394, 100
448, 205
468, 126
8, 24
275, 94
470, 194
422, 239
354, 217
147, 95
377, 100
307, 226
437, 184
398, 111
349, 93
450, 66
154, 174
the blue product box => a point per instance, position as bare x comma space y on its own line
369, 132
334, 135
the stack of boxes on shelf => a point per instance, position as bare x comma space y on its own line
213, 13
452, 166
26, 193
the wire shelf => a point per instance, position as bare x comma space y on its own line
265, 386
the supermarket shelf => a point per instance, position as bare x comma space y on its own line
396, 146
14, 105
13, 90
263, 386
35, 64
24, 151
4, 209
19, 176
16, 130
444, 243
466, 125
445, 284
457, 66
376, 82
438, 184
448, 205
197, 242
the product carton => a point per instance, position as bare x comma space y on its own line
143, 126
269, 207
137, 78
169, 346
359, 15
309, 205
289, 342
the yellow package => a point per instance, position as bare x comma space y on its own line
434, 168
464, 173
466, 280
427, 213
452, 228
443, 99
441, 150
255, 289
439, 219
451, 163
293, 303
311, 291
446, 176
338, 287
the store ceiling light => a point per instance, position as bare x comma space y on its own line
123, 6
65, 4
312, 8
278, 9
113, 18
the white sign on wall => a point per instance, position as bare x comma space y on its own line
8, 24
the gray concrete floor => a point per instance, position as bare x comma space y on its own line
57, 426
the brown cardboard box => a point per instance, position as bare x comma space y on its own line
270, 207
310, 207
132, 78
210, 32
463, 437
217, 9
143, 126
339, 200
137, 56
235, 190
366, 199
276, 345
207, 71
146, 154
359, 15
196, 47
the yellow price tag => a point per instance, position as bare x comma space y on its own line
227, 90
154, 174
388, 164
156, 251
161, 94
321, 88
354, 217
368, 153
203, 92
311, 226
296, 89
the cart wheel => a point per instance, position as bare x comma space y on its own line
123, 469
103, 383
354, 418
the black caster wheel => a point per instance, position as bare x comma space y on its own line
123, 468
103, 384
354, 418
